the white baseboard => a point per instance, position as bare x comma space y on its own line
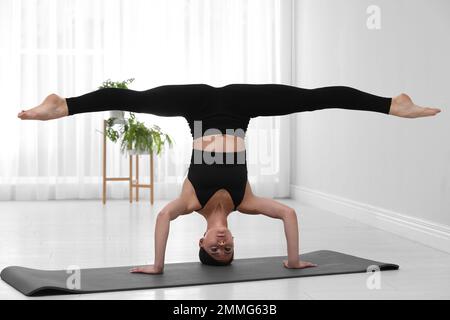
423, 231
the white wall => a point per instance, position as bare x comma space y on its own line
382, 162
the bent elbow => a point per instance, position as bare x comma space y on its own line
163, 215
289, 214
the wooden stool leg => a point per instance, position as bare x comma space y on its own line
152, 186
137, 177
131, 178
104, 163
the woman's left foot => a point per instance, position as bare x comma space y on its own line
402, 106
53, 107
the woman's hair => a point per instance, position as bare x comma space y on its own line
206, 258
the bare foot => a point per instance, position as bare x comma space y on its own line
402, 106
53, 107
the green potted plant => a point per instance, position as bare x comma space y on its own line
134, 136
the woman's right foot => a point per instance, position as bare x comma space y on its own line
53, 107
403, 106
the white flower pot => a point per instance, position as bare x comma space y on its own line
119, 115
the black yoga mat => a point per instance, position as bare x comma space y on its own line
45, 282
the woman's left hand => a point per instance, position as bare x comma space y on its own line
299, 264
150, 269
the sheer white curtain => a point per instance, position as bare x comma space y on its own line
69, 47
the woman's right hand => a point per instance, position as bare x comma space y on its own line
298, 265
150, 269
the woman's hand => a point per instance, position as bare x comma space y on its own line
298, 265
150, 269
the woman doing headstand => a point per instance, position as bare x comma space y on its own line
217, 184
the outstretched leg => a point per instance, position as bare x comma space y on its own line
278, 99
166, 100
253, 100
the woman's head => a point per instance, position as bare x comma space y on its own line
216, 247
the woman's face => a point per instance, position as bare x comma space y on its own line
218, 242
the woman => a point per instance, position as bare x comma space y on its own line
217, 184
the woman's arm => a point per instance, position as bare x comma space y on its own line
161, 234
252, 204
170, 212
291, 232
289, 218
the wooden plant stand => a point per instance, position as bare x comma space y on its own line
133, 183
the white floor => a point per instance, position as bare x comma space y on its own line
58, 234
